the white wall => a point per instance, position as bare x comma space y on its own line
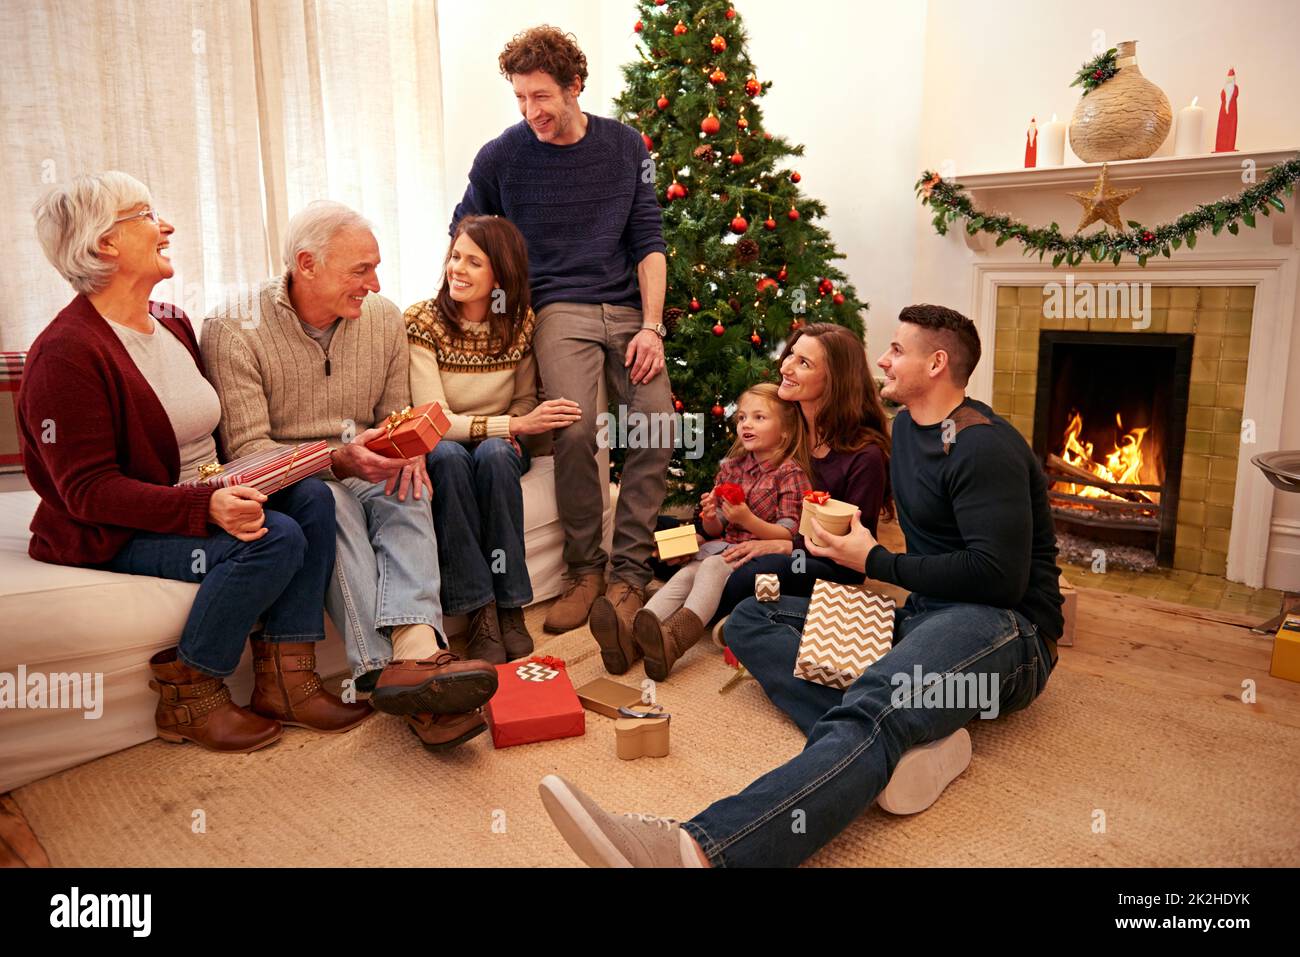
859, 117
990, 66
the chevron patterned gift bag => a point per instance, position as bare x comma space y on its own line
848, 627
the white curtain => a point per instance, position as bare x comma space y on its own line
235, 114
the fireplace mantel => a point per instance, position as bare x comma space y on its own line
986, 190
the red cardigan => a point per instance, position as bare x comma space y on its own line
97, 444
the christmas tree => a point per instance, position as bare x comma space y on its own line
747, 262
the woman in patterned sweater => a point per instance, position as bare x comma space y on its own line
471, 351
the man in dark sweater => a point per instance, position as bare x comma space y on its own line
976, 637
581, 190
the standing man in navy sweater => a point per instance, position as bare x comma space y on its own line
581, 190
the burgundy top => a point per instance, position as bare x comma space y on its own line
97, 445
854, 477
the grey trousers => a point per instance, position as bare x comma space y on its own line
385, 570
576, 343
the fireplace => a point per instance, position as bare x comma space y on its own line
1110, 420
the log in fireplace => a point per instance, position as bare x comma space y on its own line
1110, 421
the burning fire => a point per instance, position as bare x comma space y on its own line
1122, 465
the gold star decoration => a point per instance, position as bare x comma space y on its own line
1102, 202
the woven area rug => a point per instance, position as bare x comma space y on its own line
1178, 783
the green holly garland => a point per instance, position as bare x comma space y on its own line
950, 202
1096, 71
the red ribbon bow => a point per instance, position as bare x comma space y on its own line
731, 493
549, 661
819, 498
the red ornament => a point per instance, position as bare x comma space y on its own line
719, 329
825, 287
769, 223
680, 28
676, 191
838, 299
718, 43
639, 26
766, 283
730, 14
678, 405
737, 158
767, 136
710, 124
796, 325
663, 103
793, 214
739, 224
660, 3
783, 275
742, 124
717, 76
718, 411
649, 143
695, 304
756, 339
753, 87
795, 177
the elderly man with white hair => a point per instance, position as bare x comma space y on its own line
316, 353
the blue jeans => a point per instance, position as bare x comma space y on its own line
478, 512
386, 573
857, 737
281, 576
797, 584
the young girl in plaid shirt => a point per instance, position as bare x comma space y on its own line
770, 462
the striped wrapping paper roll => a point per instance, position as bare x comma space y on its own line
268, 471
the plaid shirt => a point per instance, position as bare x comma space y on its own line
773, 494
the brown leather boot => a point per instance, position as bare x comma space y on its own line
571, 609
441, 732
196, 707
485, 636
287, 688
663, 643
514, 633
611, 625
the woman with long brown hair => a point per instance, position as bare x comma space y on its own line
824, 370
471, 351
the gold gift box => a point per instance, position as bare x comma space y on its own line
676, 542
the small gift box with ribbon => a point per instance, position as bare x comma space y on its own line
641, 731
535, 701
767, 587
833, 515
411, 432
267, 471
677, 542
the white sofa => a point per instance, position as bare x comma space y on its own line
59, 619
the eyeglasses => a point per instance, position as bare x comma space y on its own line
146, 213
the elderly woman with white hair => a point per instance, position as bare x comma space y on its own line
114, 410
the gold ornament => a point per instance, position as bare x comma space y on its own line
1102, 202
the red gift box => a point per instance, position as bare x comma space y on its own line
535, 701
731, 493
267, 471
411, 432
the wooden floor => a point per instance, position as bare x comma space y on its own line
1210, 657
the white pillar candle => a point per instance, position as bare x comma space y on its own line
1051, 143
1191, 123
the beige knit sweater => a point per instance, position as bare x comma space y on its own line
481, 384
278, 386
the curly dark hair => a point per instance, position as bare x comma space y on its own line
950, 331
548, 49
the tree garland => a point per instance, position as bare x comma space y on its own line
1096, 71
950, 202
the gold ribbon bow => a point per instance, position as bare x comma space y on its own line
211, 470
395, 419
